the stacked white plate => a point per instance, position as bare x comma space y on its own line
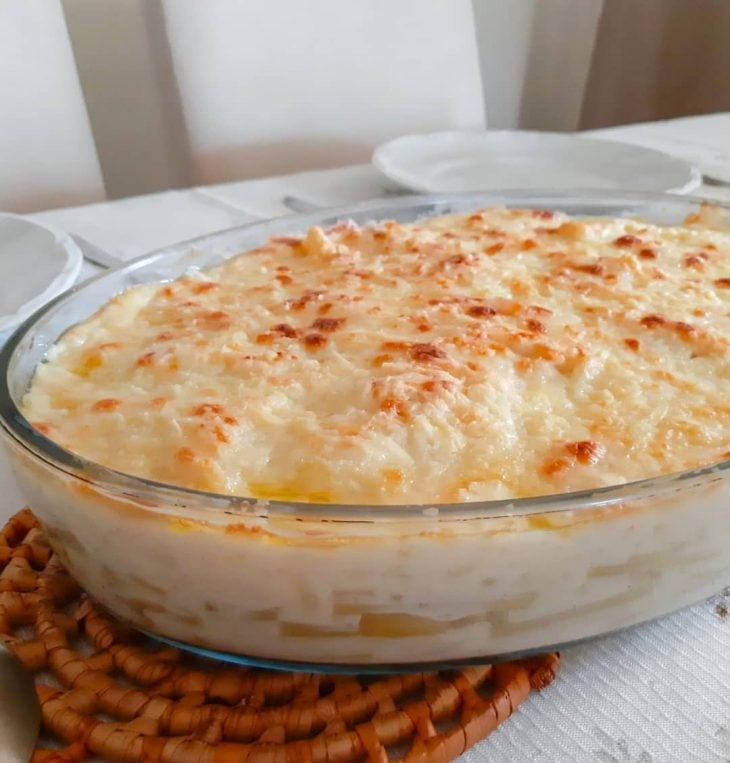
37, 263
445, 162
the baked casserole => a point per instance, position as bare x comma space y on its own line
489, 355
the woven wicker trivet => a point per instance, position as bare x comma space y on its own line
125, 697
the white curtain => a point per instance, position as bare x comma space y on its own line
658, 59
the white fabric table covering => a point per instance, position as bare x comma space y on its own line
656, 694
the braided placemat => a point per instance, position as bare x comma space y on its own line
109, 692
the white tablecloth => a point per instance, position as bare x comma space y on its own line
657, 694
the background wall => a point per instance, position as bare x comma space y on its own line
531, 78
545, 64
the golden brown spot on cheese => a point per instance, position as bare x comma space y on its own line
301, 302
90, 363
723, 283
220, 434
696, 260
684, 330
315, 341
205, 408
555, 466
458, 259
545, 352
381, 359
594, 268
393, 477
648, 254
481, 311
393, 404
523, 365
519, 287
436, 385
425, 353
186, 455
586, 451
632, 344
536, 326
106, 404
146, 360
627, 240
395, 346
328, 325
570, 229
216, 320
495, 248
205, 287
653, 321
284, 329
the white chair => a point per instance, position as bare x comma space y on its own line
47, 153
269, 86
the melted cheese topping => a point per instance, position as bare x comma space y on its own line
500, 354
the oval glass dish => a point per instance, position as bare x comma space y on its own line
363, 587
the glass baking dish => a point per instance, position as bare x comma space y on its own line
363, 587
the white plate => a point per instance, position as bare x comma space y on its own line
37, 263
500, 159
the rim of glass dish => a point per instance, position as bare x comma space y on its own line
166, 496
